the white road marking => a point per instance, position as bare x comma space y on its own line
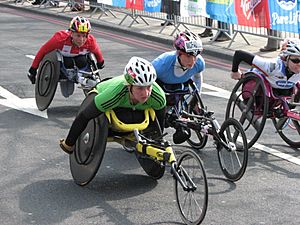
27, 105
219, 92
30, 56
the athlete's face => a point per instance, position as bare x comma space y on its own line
140, 94
294, 64
79, 39
187, 60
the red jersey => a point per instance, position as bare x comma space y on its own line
62, 41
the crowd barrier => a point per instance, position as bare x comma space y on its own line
238, 17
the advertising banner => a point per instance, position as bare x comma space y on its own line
285, 15
193, 8
253, 13
119, 3
152, 5
105, 2
221, 10
135, 4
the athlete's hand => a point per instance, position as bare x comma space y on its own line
100, 65
236, 75
31, 74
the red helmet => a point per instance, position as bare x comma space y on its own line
80, 24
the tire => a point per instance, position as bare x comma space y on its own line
289, 130
249, 105
47, 79
188, 200
233, 162
152, 167
201, 140
89, 148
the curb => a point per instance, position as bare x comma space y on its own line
214, 51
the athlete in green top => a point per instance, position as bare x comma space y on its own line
135, 89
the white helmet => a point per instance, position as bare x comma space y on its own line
139, 72
292, 48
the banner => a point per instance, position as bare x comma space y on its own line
193, 8
135, 4
119, 3
152, 5
285, 15
221, 10
253, 13
105, 2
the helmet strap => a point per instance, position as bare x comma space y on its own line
179, 61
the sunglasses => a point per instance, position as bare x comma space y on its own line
296, 60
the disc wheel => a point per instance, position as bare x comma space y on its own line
249, 104
90, 147
233, 157
47, 79
192, 203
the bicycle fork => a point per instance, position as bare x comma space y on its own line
182, 177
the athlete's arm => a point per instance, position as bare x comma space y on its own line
240, 56
49, 46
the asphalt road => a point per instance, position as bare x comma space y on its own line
36, 184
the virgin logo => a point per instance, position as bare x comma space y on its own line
248, 7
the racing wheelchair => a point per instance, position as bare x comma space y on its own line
52, 70
253, 101
152, 152
193, 123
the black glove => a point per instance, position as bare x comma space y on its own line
100, 65
31, 74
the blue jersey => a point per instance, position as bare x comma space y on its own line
170, 71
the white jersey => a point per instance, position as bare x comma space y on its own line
275, 72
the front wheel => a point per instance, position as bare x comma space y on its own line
232, 149
198, 140
192, 203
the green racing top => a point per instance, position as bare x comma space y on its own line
114, 93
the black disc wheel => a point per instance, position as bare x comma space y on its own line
191, 201
90, 147
197, 140
233, 151
249, 104
47, 79
152, 167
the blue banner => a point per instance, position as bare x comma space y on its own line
119, 3
285, 15
152, 5
221, 10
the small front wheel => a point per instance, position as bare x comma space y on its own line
191, 199
232, 149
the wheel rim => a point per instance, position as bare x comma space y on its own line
233, 160
250, 108
289, 130
192, 204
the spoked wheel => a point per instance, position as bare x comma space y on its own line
47, 79
233, 157
153, 168
249, 104
198, 140
90, 148
289, 130
192, 203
